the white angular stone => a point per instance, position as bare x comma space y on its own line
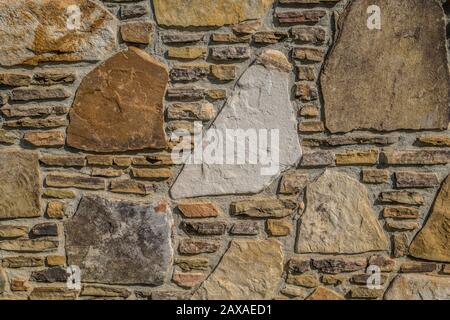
419, 287
260, 101
339, 218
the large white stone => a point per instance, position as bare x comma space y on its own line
339, 218
260, 101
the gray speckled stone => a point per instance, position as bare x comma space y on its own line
260, 101
119, 241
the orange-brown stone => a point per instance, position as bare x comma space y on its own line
119, 105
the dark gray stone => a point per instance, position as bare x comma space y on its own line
45, 229
120, 241
51, 275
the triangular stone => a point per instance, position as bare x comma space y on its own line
260, 101
388, 79
433, 241
119, 105
339, 218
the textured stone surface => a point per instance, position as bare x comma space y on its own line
402, 197
433, 241
198, 209
249, 270
251, 107
118, 106
381, 68
53, 293
413, 179
322, 293
19, 184
308, 279
120, 241
27, 245
56, 274
101, 291
338, 265
192, 246
419, 287
264, 208
335, 223
33, 31
3, 280
22, 262
186, 13
13, 231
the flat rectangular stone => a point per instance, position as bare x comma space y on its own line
308, 54
436, 140
63, 160
375, 176
358, 157
129, 186
416, 157
401, 212
20, 185
414, 179
264, 208
26, 245
39, 93
196, 246
401, 225
321, 158
213, 228
339, 265
35, 123
300, 17
416, 267
22, 262
69, 180
33, 110
230, 52
402, 197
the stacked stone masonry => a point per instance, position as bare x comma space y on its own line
92, 91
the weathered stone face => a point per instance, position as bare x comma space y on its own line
120, 241
249, 270
433, 241
197, 13
119, 105
339, 218
34, 31
389, 79
19, 185
419, 287
259, 101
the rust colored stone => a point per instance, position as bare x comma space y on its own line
119, 105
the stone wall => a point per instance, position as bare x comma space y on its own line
91, 93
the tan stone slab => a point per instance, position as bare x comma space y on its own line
20, 185
388, 79
433, 241
186, 13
